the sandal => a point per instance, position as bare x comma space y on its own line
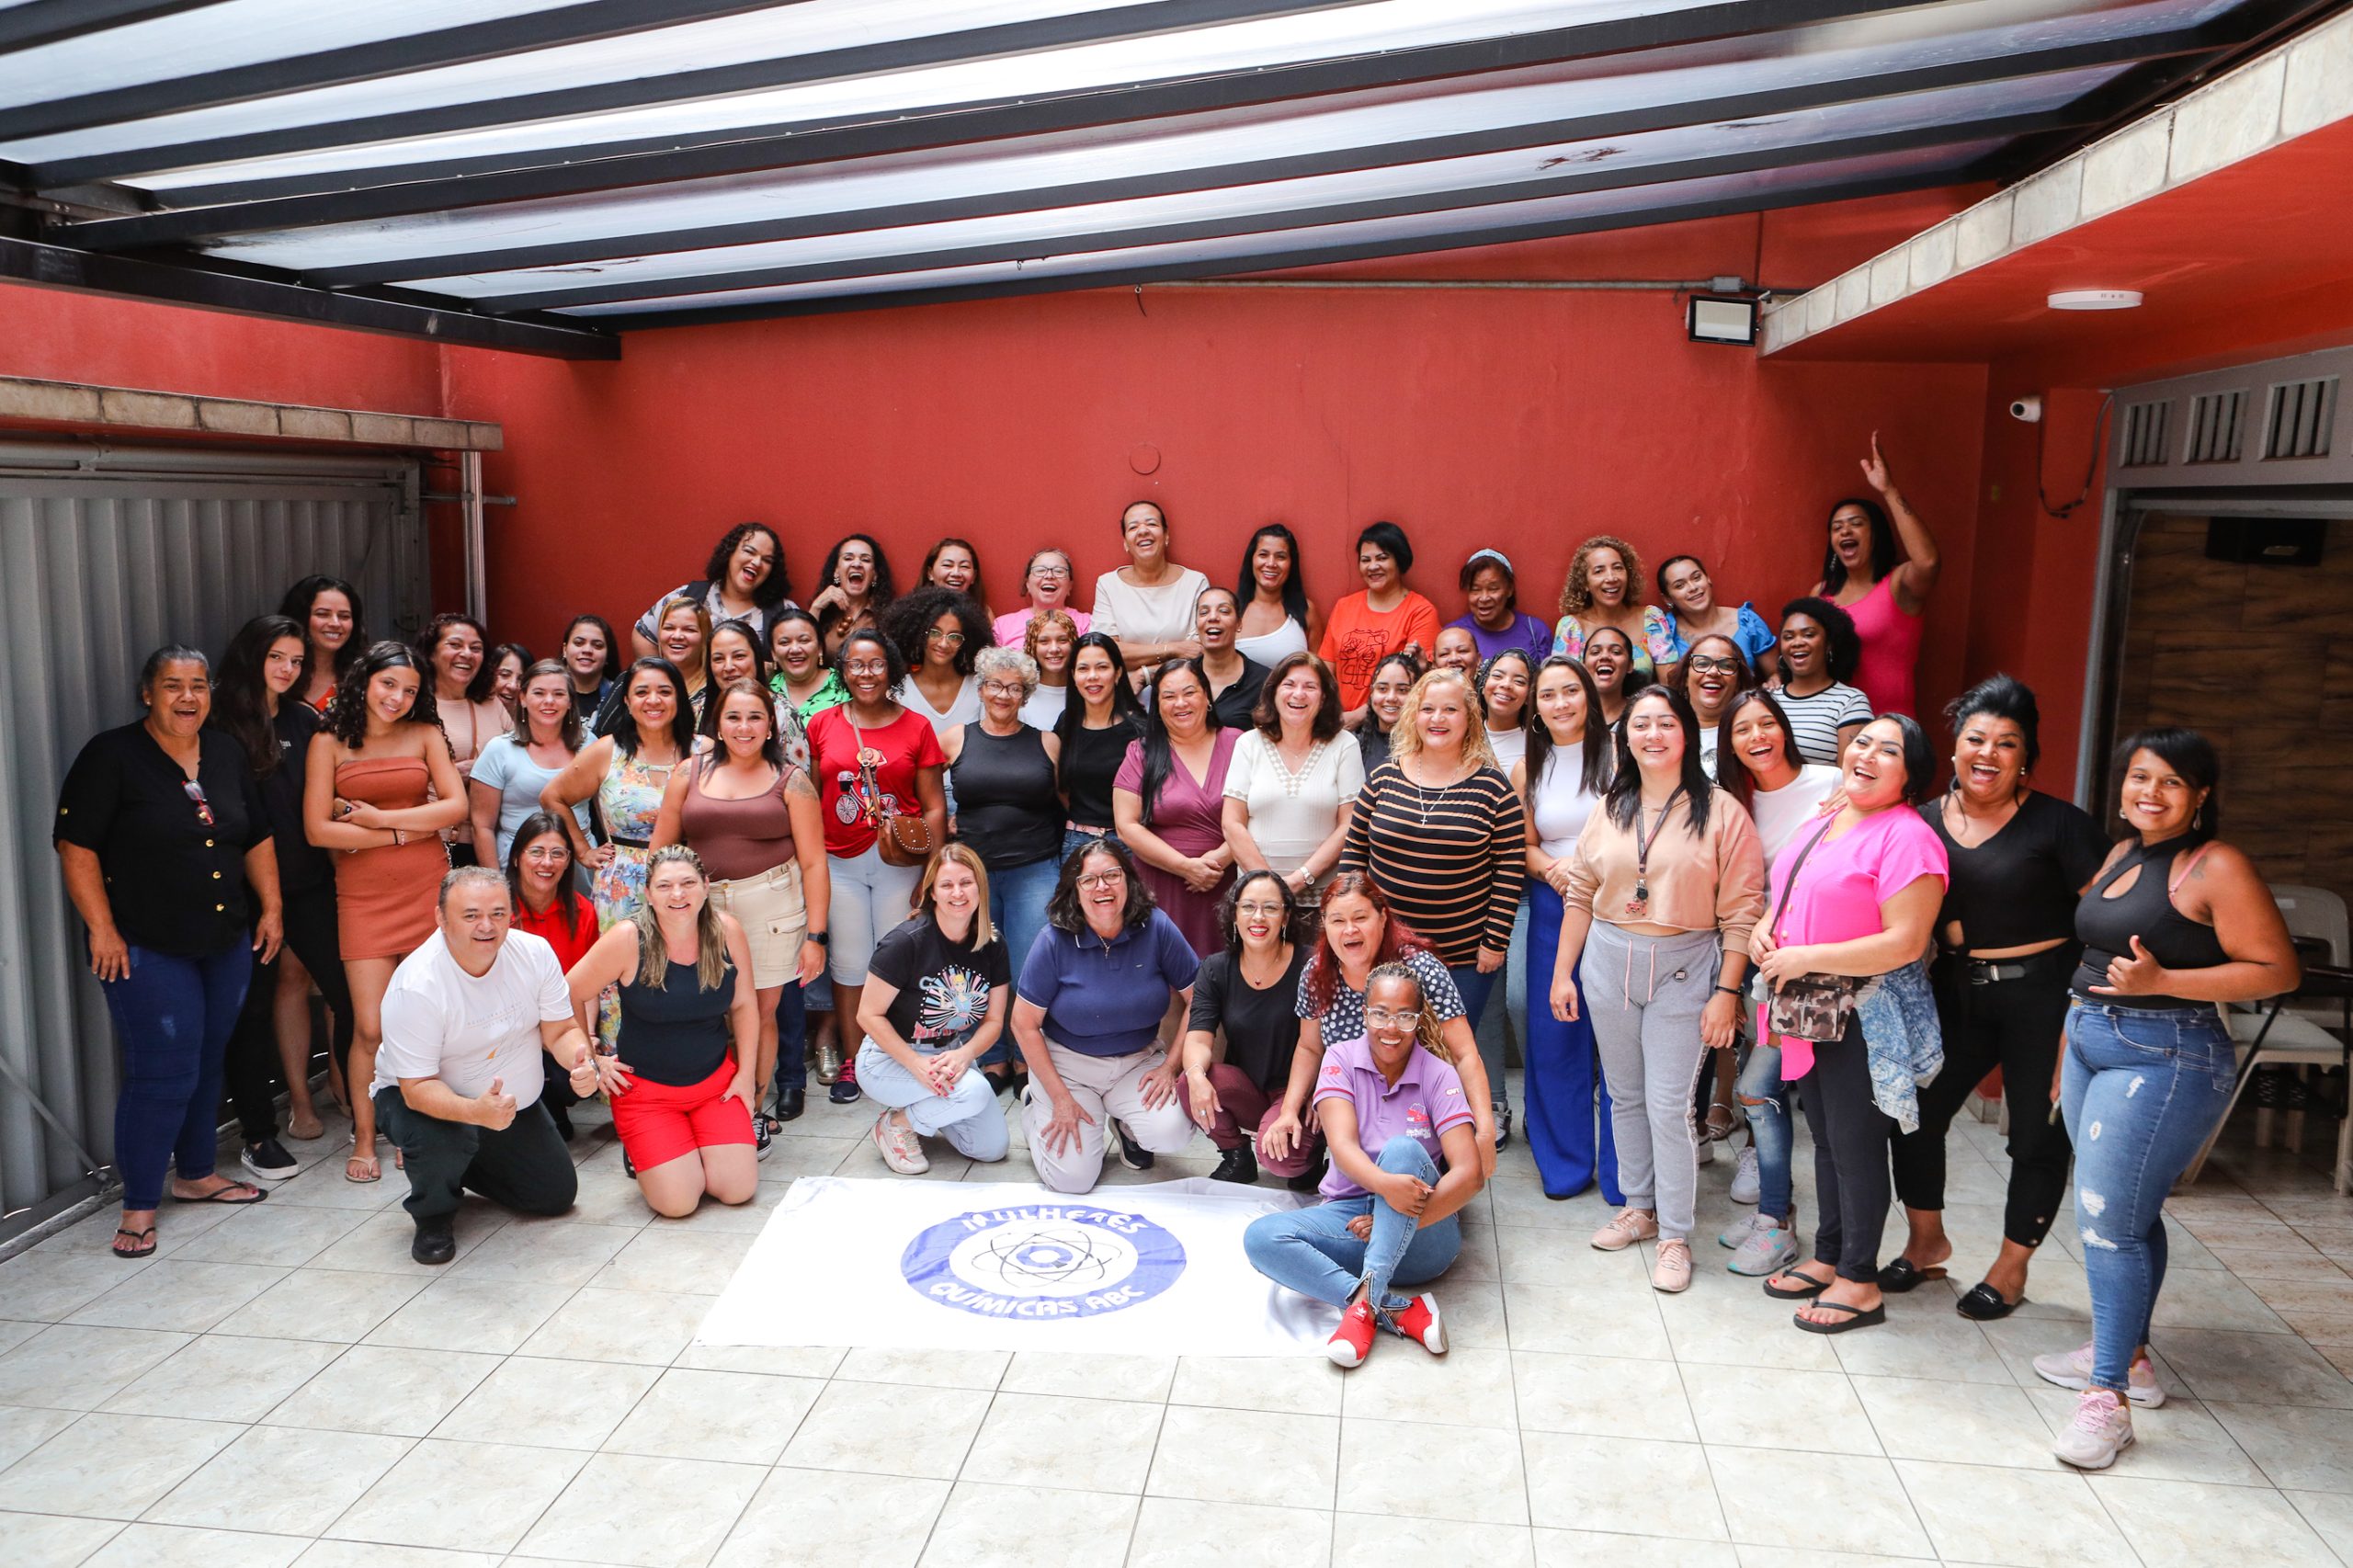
1904, 1275
134, 1253
1984, 1303
367, 1165
221, 1195
1857, 1317
1812, 1287
1711, 1131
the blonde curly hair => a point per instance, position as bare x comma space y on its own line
1405, 740
1576, 594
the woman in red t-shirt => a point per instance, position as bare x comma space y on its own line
871, 758
547, 905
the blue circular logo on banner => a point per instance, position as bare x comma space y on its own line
1042, 1260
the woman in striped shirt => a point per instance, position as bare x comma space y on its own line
1444, 837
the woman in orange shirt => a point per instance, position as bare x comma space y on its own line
1386, 618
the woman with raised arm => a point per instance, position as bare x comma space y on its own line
379, 787
1882, 574
1278, 617
743, 580
1147, 605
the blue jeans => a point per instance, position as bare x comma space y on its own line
173, 1017
1767, 1099
2141, 1088
969, 1117
1474, 988
1018, 897
1509, 1008
1073, 842
1310, 1250
1566, 1113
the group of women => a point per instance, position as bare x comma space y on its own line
1201, 858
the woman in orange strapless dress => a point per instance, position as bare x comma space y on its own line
365, 797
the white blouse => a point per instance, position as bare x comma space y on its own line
1292, 813
1562, 802
1043, 710
1510, 747
1163, 614
1274, 646
962, 709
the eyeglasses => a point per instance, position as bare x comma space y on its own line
1250, 909
1381, 1017
195, 791
936, 635
1000, 689
1049, 571
868, 667
1102, 879
1720, 667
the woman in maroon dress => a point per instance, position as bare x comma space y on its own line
1169, 803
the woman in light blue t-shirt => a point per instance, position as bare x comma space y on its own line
514, 768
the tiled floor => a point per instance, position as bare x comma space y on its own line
281, 1385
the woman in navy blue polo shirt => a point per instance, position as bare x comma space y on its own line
164, 841
1087, 1011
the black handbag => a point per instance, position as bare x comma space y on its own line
1817, 1007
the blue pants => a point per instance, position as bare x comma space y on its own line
970, 1117
792, 1037
1018, 897
1310, 1250
1767, 1099
1566, 1118
2141, 1088
1507, 1005
173, 1017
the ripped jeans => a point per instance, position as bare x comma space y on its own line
1766, 1099
2141, 1088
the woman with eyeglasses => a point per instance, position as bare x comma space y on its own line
1004, 772
379, 787
1046, 584
547, 905
334, 629
1243, 1026
743, 580
939, 633
1712, 672
1278, 617
163, 840
1404, 1161
1147, 605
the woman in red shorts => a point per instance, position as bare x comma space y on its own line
680, 1079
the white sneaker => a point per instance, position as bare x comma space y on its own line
2101, 1430
1706, 1153
901, 1149
2073, 1369
1746, 1184
1767, 1249
1737, 1232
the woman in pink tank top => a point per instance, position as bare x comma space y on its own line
1880, 572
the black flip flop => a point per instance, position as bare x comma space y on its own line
1814, 1289
1857, 1317
1982, 1302
1902, 1276
148, 1235
221, 1195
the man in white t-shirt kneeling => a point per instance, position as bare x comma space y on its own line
457, 1076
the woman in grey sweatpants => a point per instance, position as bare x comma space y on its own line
1664, 884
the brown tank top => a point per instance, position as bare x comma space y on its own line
735, 838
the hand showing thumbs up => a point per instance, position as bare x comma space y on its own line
2134, 974
494, 1107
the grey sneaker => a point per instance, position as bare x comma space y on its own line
2073, 1369
1737, 1232
2101, 1430
1767, 1249
1745, 1187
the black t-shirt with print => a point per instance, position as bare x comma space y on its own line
943, 986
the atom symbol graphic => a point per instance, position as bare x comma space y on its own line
1052, 1256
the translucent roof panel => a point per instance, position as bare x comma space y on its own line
1375, 27
1317, 128
1271, 203
1236, 254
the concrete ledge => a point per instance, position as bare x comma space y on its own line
72, 403
2302, 86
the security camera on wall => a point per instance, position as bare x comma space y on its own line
2027, 410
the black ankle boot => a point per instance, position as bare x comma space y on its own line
1237, 1165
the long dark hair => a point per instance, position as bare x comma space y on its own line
908, 623
1294, 589
708, 723
877, 600
1062, 907
241, 694
1842, 644
619, 722
1321, 979
1885, 558
1159, 752
576, 908
479, 688
1623, 798
1527, 704
346, 715
296, 607
1593, 749
776, 586
1124, 705
2192, 756
1733, 777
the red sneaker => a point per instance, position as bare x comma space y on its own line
1418, 1319
1352, 1341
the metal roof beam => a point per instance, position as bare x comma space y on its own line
488, 39
1699, 112
55, 266
1301, 217
38, 22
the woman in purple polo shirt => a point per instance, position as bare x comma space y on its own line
1087, 1014
1403, 1164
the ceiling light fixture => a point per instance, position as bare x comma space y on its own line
2095, 300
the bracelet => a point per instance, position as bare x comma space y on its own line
399, 839
1732, 990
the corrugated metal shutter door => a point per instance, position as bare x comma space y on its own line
103, 556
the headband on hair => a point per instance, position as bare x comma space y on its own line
1497, 556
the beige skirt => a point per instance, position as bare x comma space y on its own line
774, 918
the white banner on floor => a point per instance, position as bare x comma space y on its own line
1153, 1270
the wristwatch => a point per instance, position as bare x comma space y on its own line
823, 938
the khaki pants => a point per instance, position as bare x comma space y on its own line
1106, 1087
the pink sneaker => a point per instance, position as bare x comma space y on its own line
900, 1148
2101, 1430
1631, 1226
2073, 1369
